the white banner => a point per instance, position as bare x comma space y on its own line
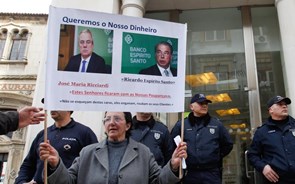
123, 74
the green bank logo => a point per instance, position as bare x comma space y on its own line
128, 39
107, 31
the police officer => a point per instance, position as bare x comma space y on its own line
272, 151
66, 135
153, 134
208, 142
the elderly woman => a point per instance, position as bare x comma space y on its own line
116, 160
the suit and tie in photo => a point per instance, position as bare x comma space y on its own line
154, 70
96, 64
163, 56
87, 61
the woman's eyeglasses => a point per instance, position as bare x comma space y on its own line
116, 119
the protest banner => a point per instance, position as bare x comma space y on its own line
127, 45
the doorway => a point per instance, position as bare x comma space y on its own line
233, 57
229, 61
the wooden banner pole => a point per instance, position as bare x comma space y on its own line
45, 140
181, 137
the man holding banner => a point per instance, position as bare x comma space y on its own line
208, 142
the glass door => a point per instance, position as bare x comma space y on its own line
233, 56
222, 77
269, 68
239, 71
216, 66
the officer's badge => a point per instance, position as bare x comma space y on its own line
157, 136
67, 147
293, 132
212, 130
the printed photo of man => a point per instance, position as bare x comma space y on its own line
163, 56
87, 60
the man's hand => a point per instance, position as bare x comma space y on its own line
30, 115
270, 174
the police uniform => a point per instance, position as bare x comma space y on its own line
67, 140
154, 135
208, 142
274, 144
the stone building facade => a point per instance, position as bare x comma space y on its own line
22, 40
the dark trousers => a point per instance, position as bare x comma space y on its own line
209, 176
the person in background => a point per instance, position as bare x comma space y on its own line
87, 60
154, 134
208, 142
12, 120
163, 54
117, 159
66, 135
272, 151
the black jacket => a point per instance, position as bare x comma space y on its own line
8, 121
275, 147
68, 141
207, 143
154, 70
154, 135
96, 64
